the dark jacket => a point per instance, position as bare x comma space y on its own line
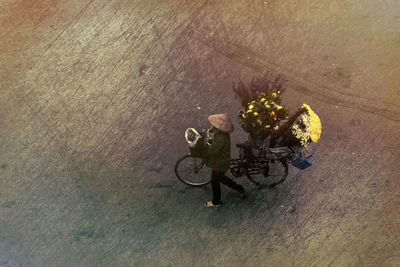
219, 153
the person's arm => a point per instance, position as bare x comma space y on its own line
217, 144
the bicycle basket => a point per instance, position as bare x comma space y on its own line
199, 150
192, 136
303, 162
196, 144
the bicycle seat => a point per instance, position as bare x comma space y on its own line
244, 145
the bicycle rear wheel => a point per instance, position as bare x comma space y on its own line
192, 171
269, 174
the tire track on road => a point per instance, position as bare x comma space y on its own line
323, 93
347, 245
67, 26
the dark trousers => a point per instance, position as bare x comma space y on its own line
218, 177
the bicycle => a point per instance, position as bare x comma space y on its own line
263, 166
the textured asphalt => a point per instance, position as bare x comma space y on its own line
94, 100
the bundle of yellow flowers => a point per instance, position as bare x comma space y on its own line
262, 111
315, 124
263, 115
302, 128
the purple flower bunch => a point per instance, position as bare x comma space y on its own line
246, 93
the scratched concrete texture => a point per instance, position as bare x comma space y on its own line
95, 97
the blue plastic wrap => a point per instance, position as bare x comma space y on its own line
303, 162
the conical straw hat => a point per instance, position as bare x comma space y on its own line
221, 122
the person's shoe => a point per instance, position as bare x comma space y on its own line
210, 204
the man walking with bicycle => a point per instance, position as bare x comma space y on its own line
219, 156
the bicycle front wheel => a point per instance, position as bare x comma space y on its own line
192, 171
269, 174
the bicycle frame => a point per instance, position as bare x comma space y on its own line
256, 165
267, 167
